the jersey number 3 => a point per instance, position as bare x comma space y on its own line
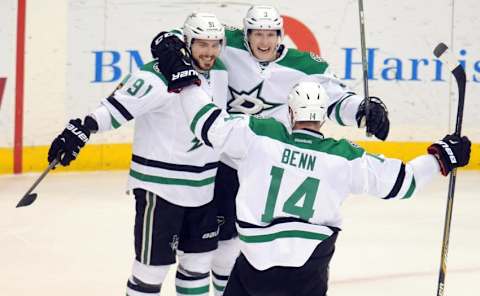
306, 191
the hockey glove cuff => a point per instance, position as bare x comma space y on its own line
67, 145
451, 152
174, 61
377, 121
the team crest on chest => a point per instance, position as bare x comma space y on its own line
249, 102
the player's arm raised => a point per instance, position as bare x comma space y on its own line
390, 178
348, 108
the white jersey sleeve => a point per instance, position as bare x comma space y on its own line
137, 94
390, 178
343, 105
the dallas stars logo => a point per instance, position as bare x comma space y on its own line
249, 102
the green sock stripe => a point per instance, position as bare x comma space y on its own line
193, 291
218, 287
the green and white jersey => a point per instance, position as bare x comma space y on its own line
258, 89
293, 184
167, 158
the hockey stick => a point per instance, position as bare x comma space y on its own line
458, 72
364, 60
30, 197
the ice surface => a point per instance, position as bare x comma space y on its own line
77, 239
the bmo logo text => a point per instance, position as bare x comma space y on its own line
112, 65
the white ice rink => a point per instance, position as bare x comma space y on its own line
77, 239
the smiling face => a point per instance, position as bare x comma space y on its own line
263, 44
205, 52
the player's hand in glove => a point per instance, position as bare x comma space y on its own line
451, 152
377, 120
67, 145
174, 61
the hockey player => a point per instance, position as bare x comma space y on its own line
293, 183
261, 72
172, 173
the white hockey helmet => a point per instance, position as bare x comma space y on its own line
206, 26
262, 17
308, 102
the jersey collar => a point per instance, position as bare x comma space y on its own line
310, 132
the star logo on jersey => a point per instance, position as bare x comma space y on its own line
249, 102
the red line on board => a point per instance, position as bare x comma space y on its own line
19, 82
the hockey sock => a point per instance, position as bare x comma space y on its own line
191, 283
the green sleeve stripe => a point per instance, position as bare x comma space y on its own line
337, 112
411, 189
114, 122
282, 234
199, 114
176, 32
193, 291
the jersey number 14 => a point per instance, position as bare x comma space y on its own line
307, 191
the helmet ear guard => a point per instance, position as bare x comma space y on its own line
308, 102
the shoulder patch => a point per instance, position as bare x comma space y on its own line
317, 58
306, 62
153, 68
231, 28
355, 145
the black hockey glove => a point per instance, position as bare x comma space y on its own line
377, 121
174, 61
67, 145
451, 152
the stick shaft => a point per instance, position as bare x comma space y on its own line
45, 172
363, 50
446, 234
460, 77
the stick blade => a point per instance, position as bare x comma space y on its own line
27, 200
440, 49
446, 56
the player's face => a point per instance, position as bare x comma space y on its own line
204, 52
263, 44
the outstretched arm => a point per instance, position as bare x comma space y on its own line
348, 108
390, 178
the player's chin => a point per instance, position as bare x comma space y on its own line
264, 55
205, 66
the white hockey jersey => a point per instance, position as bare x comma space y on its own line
293, 184
263, 89
167, 158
